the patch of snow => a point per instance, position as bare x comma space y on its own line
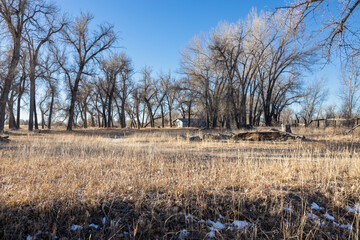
221, 217
288, 209
310, 215
315, 219
314, 206
76, 227
103, 220
347, 226
183, 234
356, 208
211, 234
29, 237
240, 224
216, 226
331, 218
201, 221
94, 226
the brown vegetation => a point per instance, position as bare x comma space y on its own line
142, 184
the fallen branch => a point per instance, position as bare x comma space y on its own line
349, 131
4, 139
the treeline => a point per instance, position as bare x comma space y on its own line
239, 74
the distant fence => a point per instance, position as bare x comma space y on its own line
331, 122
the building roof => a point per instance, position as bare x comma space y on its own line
185, 119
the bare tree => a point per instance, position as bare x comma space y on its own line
337, 21
172, 89
148, 93
85, 47
116, 69
22, 86
14, 15
125, 88
38, 31
49, 70
350, 92
204, 79
312, 102
286, 54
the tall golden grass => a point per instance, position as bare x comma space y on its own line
144, 184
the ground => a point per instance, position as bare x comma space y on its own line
153, 184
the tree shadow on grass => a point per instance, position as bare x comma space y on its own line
158, 216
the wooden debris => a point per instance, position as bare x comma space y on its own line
286, 128
195, 139
42, 131
351, 130
270, 135
4, 139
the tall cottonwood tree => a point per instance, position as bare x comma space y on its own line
14, 15
350, 90
148, 93
312, 101
50, 70
336, 21
85, 46
116, 69
286, 54
38, 31
250, 64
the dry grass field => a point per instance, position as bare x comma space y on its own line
150, 184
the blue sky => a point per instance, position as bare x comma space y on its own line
153, 32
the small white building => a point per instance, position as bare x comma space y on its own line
194, 122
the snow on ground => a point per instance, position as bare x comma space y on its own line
216, 226
240, 225
315, 219
183, 234
355, 209
211, 234
314, 206
347, 226
94, 226
331, 218
76, 227
313, 216
29, 237
288, 209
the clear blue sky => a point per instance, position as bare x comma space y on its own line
153, 32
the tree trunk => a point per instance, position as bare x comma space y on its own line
122, 115
32, 96
51, 109
42, 120
36, 118
170, 116
71, 111
9, 79
18, 111
85, 116
162, 116
12, 122
189, 114
109, 112
152, 121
